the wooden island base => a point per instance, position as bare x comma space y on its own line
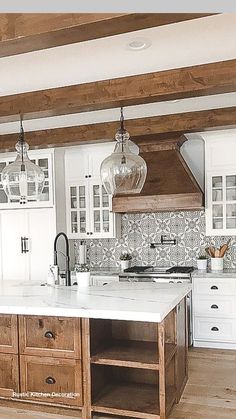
116, 368
134, 369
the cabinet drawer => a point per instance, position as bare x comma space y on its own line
8, 334
212, 329
50, 336
215, 306
215, 286
9, 377
99, 280
51, 380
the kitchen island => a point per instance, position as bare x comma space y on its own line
116, 350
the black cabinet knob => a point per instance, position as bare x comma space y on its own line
49, 335
214, 287
50, 380
214, 306
215, 329
91, 233
87, 233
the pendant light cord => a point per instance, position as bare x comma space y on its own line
122, 128
22, 142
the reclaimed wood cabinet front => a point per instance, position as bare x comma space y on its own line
50, 336
9, 366
40, 354
8, 334
9, 375
52, 380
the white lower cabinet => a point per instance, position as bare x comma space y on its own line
215, 330
100, 280
214, 312
26, 243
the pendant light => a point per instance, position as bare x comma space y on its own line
22, 180
123, 172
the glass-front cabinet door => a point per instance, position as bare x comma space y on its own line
44, 160
78, 201
230, 209
221, 205
101, 215
88, 206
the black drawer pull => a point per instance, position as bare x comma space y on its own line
50, 380
215, 329
214, 306
214, 287
49, 335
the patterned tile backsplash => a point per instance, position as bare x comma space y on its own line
139, 230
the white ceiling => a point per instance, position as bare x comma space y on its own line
187, 43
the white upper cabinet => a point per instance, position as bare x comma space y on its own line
88, 205
220, 153
43, 158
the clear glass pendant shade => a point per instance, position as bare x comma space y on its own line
123, 172
22, 180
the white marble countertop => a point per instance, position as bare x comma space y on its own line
226, 273
117, 301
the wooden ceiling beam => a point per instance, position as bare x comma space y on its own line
200, 80
21, 33
163, 127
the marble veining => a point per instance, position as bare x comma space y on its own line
120, 301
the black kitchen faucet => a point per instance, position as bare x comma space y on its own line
67, 256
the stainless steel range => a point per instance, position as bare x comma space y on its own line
174, 275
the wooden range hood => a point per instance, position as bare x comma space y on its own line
170, 184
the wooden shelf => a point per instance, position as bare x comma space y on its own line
140, 401
126, 399
133, 354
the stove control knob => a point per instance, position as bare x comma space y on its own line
171, 282
179, 282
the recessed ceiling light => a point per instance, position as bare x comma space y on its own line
138, 44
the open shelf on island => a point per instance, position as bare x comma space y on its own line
133, 354
134, 366
132, 392
129, 399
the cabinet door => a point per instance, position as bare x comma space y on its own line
3, 196
97, 153
45, 161
8, 334
221, 204
230, 203
76, 163
41, 233
101, 217
9, 377
77, 210
14, 260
